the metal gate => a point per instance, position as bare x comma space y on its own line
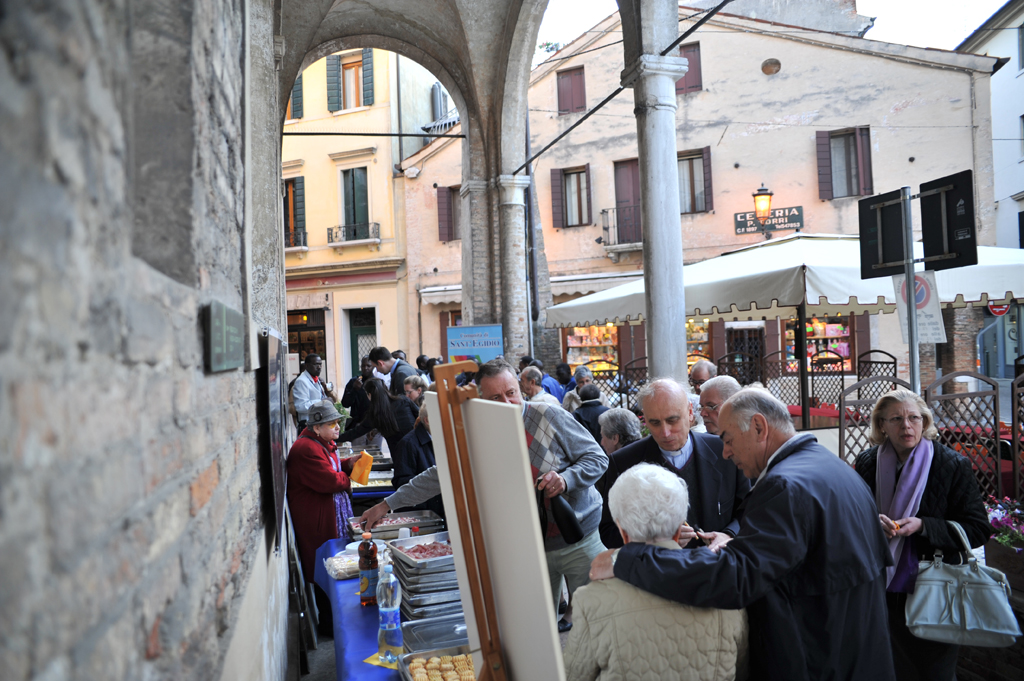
746, 368
607, 379
1017, 434
634, 376
781, 378
875, 366
969, 423
855, 405
826, 378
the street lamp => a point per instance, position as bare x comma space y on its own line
763, 203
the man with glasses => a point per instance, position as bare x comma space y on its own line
714, 392
701, 372
308, 389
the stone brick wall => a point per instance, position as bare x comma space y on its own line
960, 351
129, 490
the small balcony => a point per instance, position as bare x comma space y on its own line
295, 242
623, 231
360, 234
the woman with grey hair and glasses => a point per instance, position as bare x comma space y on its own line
918, 485
623, 632
619, 427
572, 400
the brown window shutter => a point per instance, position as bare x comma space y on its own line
823, 141
864, 161
564, 93
691, 81
590, 208
445, 232
445, 318
709, 201
557, 199
579, 91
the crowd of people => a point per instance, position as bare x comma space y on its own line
717, 541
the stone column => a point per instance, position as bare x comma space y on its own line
515, 311
653, 79
475, 233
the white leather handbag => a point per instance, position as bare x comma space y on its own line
961, 604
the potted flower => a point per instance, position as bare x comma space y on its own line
1003, 550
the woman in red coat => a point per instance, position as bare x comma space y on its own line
318, 485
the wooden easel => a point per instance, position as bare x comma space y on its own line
450, 398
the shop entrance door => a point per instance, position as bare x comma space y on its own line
306, 335
363, 334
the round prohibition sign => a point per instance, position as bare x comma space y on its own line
922, 292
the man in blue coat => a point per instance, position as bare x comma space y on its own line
716, 487
808, 563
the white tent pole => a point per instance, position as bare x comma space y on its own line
911, 288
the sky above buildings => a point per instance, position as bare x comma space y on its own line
924, 23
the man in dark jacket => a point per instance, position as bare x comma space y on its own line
398, 369
354, 398
808, 563
590, 409
415, 455
715, 485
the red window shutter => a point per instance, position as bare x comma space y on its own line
709, 197
557, 199
445, 230
445, 317
590, 205
823, 141
864, 161
691, 82
579, 91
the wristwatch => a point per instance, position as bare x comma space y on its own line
615, 557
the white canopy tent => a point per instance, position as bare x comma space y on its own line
773, 278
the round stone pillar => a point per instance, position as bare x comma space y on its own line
515, 311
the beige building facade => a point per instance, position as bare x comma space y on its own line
818, 118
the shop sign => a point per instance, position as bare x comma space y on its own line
476, 343
781, 218
998, 310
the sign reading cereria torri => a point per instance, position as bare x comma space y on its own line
781, 218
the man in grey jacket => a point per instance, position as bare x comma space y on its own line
564, 459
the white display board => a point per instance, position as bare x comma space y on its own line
515, 549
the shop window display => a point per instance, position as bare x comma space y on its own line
823, 333
593, 343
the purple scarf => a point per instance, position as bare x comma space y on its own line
342, 506
902, 501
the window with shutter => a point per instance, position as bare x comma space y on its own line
709, 195
576, 196
351, 85
844, 163
333, 82
295, 212
691, 82
444, 215
355, 206
295, 101
692, 183
557, 199
572, 96
367, 76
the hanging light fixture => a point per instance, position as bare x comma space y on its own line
763, 203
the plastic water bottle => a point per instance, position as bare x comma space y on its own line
389, 605
367, 570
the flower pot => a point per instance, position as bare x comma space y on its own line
1008, 560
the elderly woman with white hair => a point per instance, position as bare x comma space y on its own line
918, 485
572, 400
622, 632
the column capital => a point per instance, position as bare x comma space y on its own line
511, 187
654, 65
475, 186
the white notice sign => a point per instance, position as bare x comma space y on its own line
929, 311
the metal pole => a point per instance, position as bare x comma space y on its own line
911, 288
801, 356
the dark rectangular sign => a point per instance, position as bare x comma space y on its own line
225, 338
781, 218
960, 235
891, 235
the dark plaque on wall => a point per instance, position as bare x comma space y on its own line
225, 337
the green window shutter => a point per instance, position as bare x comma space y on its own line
300, 204
333, 83
367, 76
297, 98
356, 203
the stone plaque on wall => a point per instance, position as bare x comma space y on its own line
224, 340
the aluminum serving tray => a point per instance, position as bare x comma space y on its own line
435, 632
422, 589
403, 660
399, 555
436, 598
405, 570
414, 519
451, 608
412, 581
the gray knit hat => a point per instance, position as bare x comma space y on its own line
322, 412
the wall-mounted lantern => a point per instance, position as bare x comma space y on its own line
763, 203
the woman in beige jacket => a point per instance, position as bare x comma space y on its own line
621, 632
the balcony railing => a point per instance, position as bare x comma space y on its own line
622, 225
359, 232
295, 239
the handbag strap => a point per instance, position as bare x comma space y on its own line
959, 531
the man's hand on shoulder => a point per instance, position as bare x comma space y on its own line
603, 567
715, 540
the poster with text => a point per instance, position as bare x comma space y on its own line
475, 343
929, 312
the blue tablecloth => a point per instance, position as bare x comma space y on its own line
355, 626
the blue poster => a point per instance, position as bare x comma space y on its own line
477, 343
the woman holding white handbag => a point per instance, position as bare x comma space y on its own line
919, 485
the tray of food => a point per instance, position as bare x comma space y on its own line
431, 633
419, 665
393, 522
450, 608
372, 484
424, 551
416, 581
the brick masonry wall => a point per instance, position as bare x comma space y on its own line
129, 491
960, 351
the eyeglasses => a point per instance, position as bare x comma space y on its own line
913, 419
709, 407
696, 383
